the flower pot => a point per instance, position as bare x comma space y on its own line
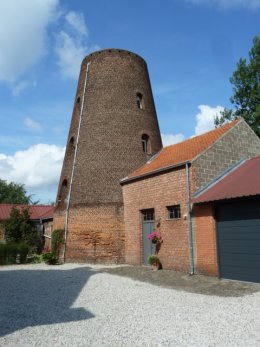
154, 241
156, 266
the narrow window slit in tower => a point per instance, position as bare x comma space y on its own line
63, 191
72, 142
140, 101
145, 143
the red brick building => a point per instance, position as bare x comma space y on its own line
159, 194
114, 131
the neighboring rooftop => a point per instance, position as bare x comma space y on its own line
36, 211
242, 181
180, 153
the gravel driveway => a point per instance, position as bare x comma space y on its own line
76, 305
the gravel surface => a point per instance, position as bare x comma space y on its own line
180, 281
76, 305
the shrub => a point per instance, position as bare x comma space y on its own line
2, 253
153, 260
56, 240
23, 250
50, 258
18, 228
9, 253
35, 259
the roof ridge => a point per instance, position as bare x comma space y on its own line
182, 152
236, 122
206, 133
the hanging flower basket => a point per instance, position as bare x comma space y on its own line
155, 237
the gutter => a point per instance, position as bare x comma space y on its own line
191, 250
73, 168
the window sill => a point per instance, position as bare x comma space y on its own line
173, 219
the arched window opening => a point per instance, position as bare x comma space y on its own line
78, 99
146, 143
140, 101
63, 190
72, 142
64, 183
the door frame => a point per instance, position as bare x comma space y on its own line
153, 249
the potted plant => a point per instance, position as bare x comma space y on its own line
154, 261
155, 237
49, 257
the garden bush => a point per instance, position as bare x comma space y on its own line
9, 253
34, 259
2, 253
23, 250
56, 240
49, 258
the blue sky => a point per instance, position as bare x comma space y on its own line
191, 47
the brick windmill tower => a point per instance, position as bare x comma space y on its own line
114, 130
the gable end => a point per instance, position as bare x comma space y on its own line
238, 143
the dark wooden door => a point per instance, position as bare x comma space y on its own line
147, 228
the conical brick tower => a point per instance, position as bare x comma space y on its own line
114, 130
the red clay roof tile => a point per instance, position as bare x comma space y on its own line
36, 211
181, 152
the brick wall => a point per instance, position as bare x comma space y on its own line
95, 234
206, 242
112, 126
240, 142
158, 192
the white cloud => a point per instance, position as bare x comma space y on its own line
32, 124
170, 139
205, 118
77, 22
37, 167
71, 45
252, 4
18, 87
23, 31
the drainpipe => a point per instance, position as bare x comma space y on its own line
190, 222
73, 168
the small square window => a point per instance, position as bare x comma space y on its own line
174, 212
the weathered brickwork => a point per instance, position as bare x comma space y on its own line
158, 192
96, 234
206, 242
109, 145
238, 143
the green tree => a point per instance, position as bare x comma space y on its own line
18, 228
246, 88
13, 193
